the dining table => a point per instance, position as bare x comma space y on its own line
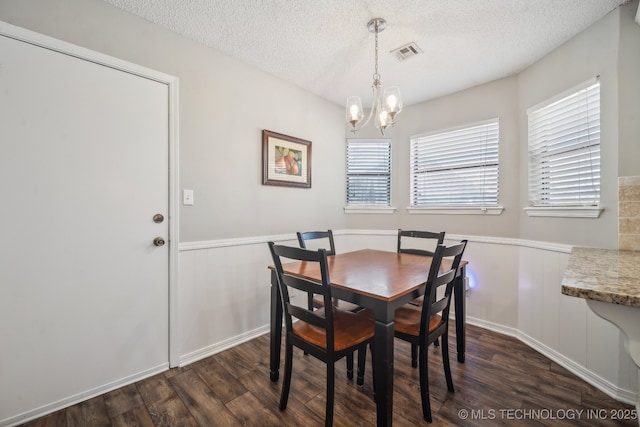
381, 281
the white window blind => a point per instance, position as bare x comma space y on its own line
564, 150
368, 172
457, 167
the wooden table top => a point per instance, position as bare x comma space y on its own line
379, 274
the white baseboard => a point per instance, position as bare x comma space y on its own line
495, 327
623, 395
210, 350
81, 397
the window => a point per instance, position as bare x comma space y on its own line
456, 168
368, 172
564, 149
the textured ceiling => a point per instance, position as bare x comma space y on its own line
324, 45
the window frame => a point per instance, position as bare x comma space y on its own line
564, 209
359, 208
459, 208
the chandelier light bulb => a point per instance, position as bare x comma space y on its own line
392, 101
382, 120
354, 110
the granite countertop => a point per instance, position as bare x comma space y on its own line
603, 275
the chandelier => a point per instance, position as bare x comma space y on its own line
385, 105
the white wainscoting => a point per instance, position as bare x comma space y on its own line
514, 289
564, 329
224, 294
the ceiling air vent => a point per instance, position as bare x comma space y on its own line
407, 51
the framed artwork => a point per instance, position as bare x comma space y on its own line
286, 160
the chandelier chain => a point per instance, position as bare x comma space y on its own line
376, 76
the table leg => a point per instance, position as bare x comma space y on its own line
383, 372
275, 335
460, 305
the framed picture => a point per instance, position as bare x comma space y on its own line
286, 161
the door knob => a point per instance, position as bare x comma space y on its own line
158, 241
158, 218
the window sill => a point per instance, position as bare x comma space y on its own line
565, 211
456, 210
369, 209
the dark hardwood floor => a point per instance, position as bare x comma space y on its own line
502, 382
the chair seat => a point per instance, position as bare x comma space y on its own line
407, 320
338, 303
349, 329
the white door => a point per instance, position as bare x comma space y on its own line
83, 170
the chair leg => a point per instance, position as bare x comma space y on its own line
445, 362
414, 355
286, 382
362, 360
424, 384
310, 307
373, 371
349, 358
328, 421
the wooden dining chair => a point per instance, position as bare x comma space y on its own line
327, 334
323, 239
434, 239
423, 325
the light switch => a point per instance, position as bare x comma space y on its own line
187, 197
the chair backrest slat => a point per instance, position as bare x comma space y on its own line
304, 237
309, 287
439, 305
302, 284
306, 316
427, 235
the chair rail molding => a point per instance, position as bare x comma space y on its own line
242, 241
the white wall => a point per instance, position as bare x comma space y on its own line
629, 98
223, 296
594, 52
224, 105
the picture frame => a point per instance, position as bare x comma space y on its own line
286, 160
